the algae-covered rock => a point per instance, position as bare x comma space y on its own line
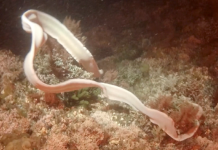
23, 143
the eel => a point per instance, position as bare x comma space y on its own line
40, 25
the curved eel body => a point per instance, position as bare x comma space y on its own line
40, 25
32, 19
157, 117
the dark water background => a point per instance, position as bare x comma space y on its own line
113, 25
12, 36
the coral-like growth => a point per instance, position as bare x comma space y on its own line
23, 143
10, 69
121, 137
58, 142
182, 111
13, 127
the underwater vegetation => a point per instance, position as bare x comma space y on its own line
81, 97
167, 79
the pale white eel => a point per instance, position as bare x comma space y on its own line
57, 30
41, 24
157, 117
